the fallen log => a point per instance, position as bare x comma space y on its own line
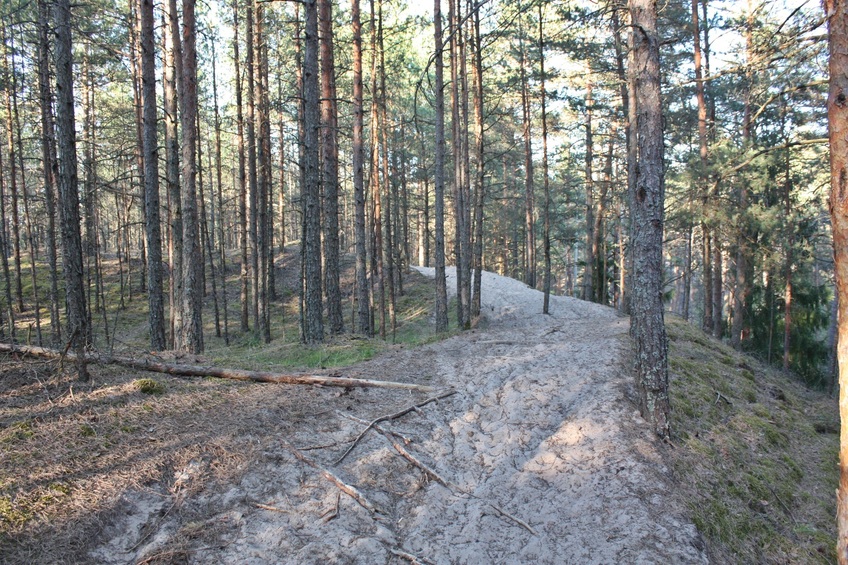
156, 366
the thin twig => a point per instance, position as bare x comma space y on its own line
394, 416
414, 559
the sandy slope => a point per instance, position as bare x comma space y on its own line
544, 458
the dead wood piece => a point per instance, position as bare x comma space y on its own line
390, 436
394, 416
332, 512
414, 559
349, 490
270, 508
156, 366
509, 516
720, 396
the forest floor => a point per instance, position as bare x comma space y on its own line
538, 456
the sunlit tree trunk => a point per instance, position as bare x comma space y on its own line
837, 117
647, 324
170, 68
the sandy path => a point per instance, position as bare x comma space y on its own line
539, 429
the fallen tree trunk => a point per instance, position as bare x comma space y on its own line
148, 364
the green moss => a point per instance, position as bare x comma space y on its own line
149, 386
86, 430
14, 514
18, 432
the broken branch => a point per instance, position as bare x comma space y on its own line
394, 416
349, 490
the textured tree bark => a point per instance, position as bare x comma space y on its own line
79, 326
171, 47
155, 300
313, 323
589, 267
374, 179
48, 155
479, 162
363, 300
646, 201
190, 334
222, 254
837, 111
330, 178
529, 194
244, 276
439, 174
547, 208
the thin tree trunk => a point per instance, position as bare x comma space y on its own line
13, 176
591, 248
529, 196
48, 155
222, 257
4, 254
242, 182
480, 176
439, 174
171, 65
363, 318
547, 208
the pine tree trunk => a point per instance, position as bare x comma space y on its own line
79, 326
363, 301
330, 178
480, 172
222, 253
244, 277
439, 174
647, 324
155, 303
547, 207
313, 323
837, 110
13, 176
172, 48
48, 155
529, 196
591, 248
190, 335
4, 255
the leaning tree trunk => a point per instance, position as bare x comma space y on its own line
79, 326
647, 324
